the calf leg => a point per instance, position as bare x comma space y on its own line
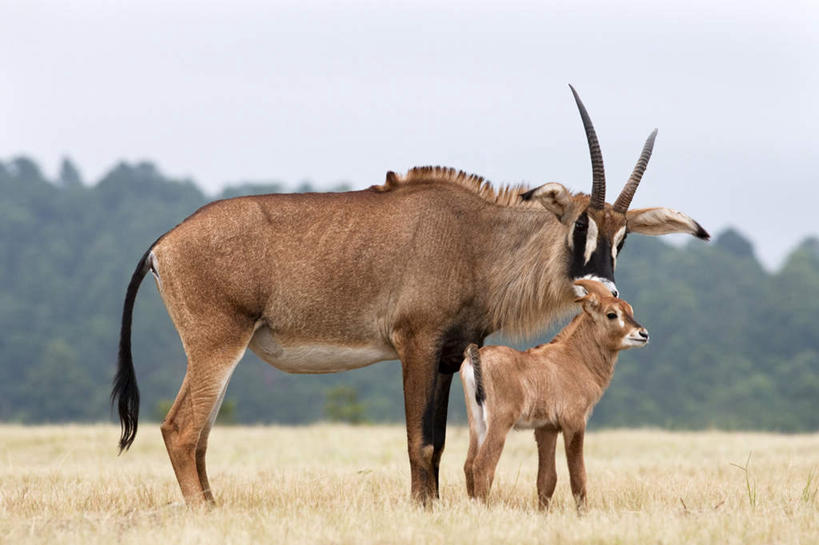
469, 463
577, 468
546, 471
473, 440
486, 460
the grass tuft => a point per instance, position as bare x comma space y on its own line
750, 485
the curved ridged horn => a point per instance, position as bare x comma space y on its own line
598, 193
624, 200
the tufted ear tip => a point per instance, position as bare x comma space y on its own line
702, 233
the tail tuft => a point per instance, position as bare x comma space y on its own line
473, 353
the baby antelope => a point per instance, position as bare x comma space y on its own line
549, 388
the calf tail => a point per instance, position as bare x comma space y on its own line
473, 353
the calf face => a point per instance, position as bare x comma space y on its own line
614, 316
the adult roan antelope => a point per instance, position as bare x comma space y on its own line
414, 269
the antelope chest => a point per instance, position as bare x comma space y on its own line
312, 357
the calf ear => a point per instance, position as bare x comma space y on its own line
662, 221
580, 293
590, 303
554, 197
589, 293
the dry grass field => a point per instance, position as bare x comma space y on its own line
339, 484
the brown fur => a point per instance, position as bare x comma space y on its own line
414, 269
323, 282
301, 278
360, 269
551, 388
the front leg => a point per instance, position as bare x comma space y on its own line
451, 354
573, 440
441, 405
420, 371
546, 471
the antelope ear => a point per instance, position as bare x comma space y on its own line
589, 301
554, 197
580, 293
662, 221
589, 294
590, 290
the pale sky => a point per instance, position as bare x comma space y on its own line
223, 92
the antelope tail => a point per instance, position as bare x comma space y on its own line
125, 392
472, 352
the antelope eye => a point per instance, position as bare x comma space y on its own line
582, 223
611, 315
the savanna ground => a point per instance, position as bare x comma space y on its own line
340, 484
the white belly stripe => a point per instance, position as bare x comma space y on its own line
316, 357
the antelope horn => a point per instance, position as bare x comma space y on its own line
624, 200
598, 193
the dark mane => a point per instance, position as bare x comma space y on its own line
503, 196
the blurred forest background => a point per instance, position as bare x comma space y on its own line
733, 345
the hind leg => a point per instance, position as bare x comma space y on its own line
202, 448
211, 360
175, 430
470, 460
486, 459
473, 434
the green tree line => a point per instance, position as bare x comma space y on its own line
733, 345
